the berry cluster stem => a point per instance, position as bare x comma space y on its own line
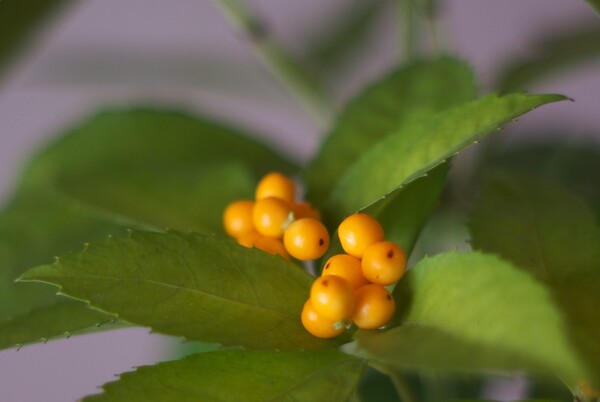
284, 68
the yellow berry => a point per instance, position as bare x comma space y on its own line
303, 209
357, 232
306, 239
237, 218
276, 185
373, 308
347, 267
319, 326
272, 246
248, 239
271, 216
383, 263
332, 298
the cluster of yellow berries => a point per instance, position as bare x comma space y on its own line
276, 223
352, 285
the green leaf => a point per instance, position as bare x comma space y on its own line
64, 318
204, 288
551, 233
19, 21
175, 198
419, 89
420, 146
552, 55
471, 311
233, 375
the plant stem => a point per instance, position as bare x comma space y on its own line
410, 39
286, 70
400, 384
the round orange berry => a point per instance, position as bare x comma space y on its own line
357, 232
332, 298
271, 216
306, 239
347, 267
237, 218
373, 308
248, 239
303, 209
276, 185
272, 246
319, 326
383, 263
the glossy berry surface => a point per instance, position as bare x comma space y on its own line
270, 216
237, 218
332, 298
383, 263
319, 326
347, 267
272, 246
373, 308
306, 239
276, 185
357, 232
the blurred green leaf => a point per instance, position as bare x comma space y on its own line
551, 233
204, 288
235, 375
64, 318
343, 33
551, 55
19, 21
471, 311
419, 89
420, 146
595, 4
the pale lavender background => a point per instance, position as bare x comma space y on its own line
115, 52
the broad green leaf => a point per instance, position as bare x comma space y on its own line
479, 310
175, 198
552, 55
62, 319
551, 233
204, 288
19, 21
420, 146
140, 140
419, 89
235, 375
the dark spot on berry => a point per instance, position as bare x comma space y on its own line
325, 283
388, 297
327, 266
390, 254
321, 242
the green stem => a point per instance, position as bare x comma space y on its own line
407, 8
286, 70
398, 380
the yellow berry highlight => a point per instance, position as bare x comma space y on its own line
373, 308
383, 263
237, 218
359, 231
271, 216
332, 298
306, 239
347, 267
276, 185
319, 326
272, 246
248, 239
304, 209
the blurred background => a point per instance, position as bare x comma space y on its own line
184, 55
